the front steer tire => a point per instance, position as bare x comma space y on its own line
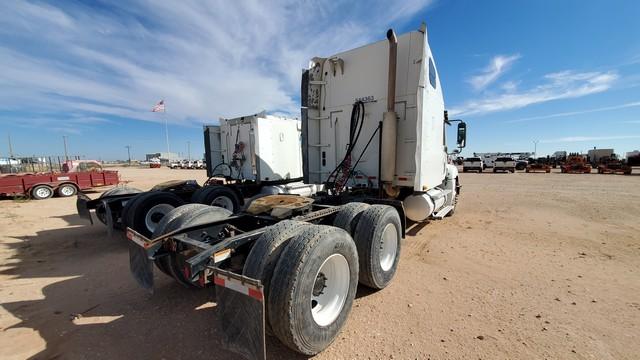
378, 237
297, 281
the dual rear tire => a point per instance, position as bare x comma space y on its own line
310, 272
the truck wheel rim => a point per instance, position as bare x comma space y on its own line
388, 247
66, 190
330, 290
155, 214
43, 192
223, 202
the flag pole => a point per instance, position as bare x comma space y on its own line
166, 127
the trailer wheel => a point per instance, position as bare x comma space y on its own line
312, 288
378, 240
264, 254
166, 225
66, 190
189, 218
149, 209
219, 196
348, 217
42, 192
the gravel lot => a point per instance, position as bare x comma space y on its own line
531, 266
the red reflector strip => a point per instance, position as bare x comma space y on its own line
238, 286
372, 177
255, 294
402, 178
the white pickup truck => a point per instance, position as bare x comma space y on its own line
472, 164
505, 164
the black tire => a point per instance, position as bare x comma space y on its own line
127, 214
189, 218
119, 190
369, 240
347, 218
66, 190
139, 214
295, 280
41, 192
464, 170
163, 263
217, 195
494, 170
264, 254
480, 170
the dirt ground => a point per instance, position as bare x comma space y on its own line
531, 266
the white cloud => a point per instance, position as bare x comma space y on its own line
579, 112
589, 138
555, 86
497, 66
205, 59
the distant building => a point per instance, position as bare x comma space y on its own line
164, 157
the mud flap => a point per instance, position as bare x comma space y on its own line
141, 251
241, 315
81, 206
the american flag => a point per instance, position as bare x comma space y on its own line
159, 107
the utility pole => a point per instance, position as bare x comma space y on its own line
189, 150
10, 147
535, 148
66, 156
129, 153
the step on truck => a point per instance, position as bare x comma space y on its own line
374, 157
245, 156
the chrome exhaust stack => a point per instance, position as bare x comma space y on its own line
390, 122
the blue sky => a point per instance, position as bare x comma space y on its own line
564, 73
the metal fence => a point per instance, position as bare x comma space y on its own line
33, 164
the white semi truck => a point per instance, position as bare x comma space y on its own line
374, 156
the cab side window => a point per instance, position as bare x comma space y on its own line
432, 73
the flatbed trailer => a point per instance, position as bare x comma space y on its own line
42, 186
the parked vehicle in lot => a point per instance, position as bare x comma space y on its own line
142, 212
76, 175
505, 164
521, 164
576, 164
292, 263
539, 165
613, 165
198, 164
175, 165
473, 164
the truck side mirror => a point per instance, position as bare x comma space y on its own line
462, 134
